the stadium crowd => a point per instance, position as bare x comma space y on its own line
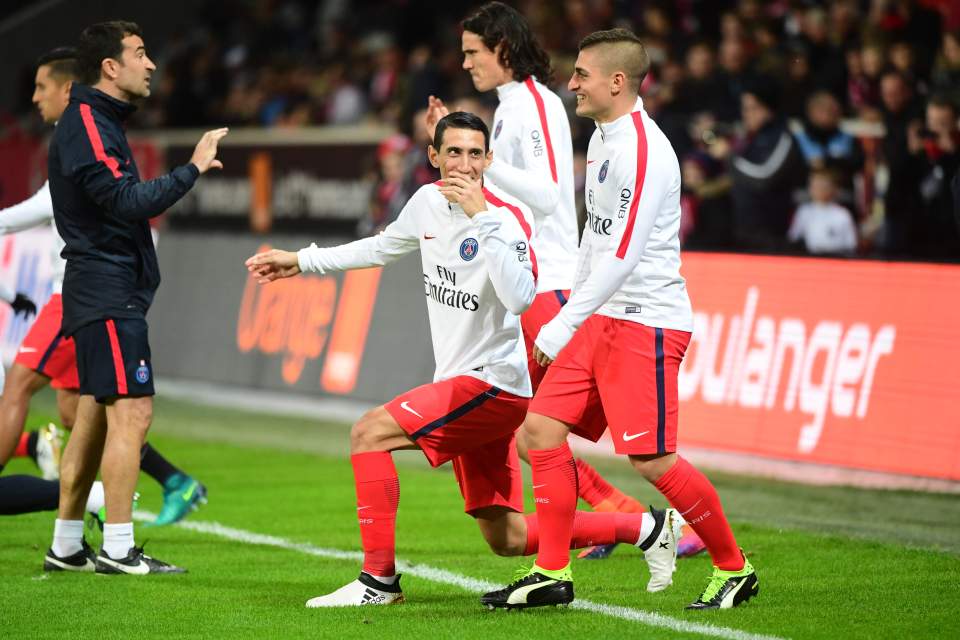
843, 110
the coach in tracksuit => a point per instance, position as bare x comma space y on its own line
102, 209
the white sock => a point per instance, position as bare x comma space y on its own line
384, 579
118, 539
95, 499
646, 527
67, 537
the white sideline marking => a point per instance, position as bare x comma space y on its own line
443, 576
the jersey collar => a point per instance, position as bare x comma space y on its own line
623, 123
504, 90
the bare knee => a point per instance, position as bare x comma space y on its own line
652, 467
541, 432
504, 530
67, 405
376, 430
21, 383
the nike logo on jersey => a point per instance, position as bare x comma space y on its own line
589, 162
426, 237
537, 486
362, 508
27, 350
627, 437
405, 406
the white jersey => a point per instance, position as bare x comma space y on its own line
533, 162
629, 263
479, 274
824, 228
33, 212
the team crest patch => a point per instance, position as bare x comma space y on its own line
469, 248
143, 372
496, 132
603, 171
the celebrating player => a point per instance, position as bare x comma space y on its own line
478, 274
533, 162
46, 355
616, 346
101, 209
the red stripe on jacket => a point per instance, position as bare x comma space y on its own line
638, 185
542, 111
497, 202
97, 143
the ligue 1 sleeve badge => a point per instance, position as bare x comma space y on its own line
468, 249
603, 171
143, 372
496, 132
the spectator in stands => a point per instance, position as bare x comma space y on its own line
706, 220
864, 68
825, 146
822, 225
940, 160
902, 119
766, 168
388, 195
945, 79
799, 81
735, 74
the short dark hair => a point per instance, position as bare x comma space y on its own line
943, 101
630, 55
461, 120
100, 41
497, 23
62, 62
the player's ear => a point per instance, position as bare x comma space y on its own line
434, 156
489, 159
617, 82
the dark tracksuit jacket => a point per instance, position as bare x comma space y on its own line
102, 210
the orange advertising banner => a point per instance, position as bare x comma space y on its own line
828, 361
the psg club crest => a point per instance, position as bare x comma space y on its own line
468, 249
603, 171
143, 372
496, 132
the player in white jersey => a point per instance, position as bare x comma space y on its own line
479, 274
46, 356
533, 162
616, 346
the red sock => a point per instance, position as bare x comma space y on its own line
21, 450
591, 528
592, 487
694, 497
555, 495
378, 494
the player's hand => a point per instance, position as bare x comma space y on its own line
465, 190
23, 304
436, 110
273, 265
205, 153
542, 359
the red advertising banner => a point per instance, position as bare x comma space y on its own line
828, 361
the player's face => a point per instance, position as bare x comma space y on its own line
50, 95
133, 74
591, 85
461, 152
483, 64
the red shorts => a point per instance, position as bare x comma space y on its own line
617, 373
545, 306
472, 423
45, 350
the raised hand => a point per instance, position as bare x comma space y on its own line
466, 191
205, 153
436, 110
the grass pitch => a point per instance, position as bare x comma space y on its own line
832, 562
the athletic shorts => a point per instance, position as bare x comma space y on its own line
113, 359
617, 373
472, 423
545, 306
47, 351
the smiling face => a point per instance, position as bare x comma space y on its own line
134, 69
461, 152
483, 64
50, 94
591, 84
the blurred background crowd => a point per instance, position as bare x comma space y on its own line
816, 126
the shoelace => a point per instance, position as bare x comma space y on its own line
519, 574
714, 584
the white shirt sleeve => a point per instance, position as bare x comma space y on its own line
507, 254
613, 268
399, 238
32, 212
533, 185
799, 224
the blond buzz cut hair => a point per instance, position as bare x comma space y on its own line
622, 51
